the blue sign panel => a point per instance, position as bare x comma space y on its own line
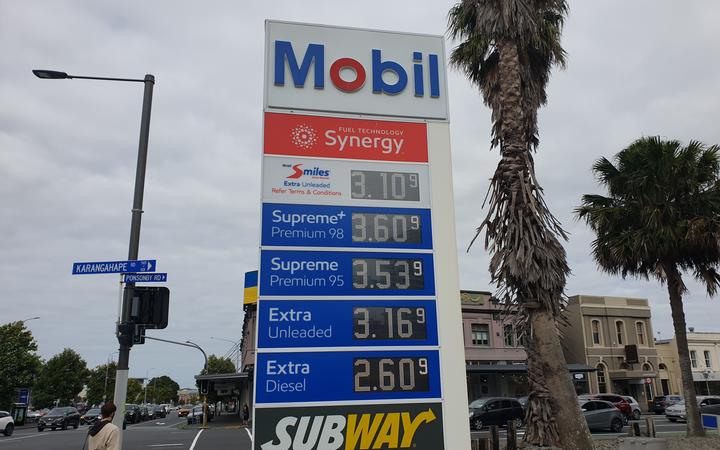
361, 375
307, 273
710, 421
23, 395
88, 268
145, 278
345, 226
346, 323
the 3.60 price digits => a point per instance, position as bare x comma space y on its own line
389, 323
375, 273
391, 374
373, 185
400, 228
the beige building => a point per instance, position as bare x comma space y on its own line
704, 360
613, 335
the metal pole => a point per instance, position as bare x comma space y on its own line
121, 379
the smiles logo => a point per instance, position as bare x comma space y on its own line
303, 136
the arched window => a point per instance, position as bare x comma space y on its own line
595, 329
640, 330
662, 366
647, 367
620, 332
602, 379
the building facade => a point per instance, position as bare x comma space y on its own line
704, 361
613, 335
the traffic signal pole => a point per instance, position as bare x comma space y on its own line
121, 379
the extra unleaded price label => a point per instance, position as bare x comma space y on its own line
337, 182
334, 137
346, 323
345, 226
307, 273
357, 375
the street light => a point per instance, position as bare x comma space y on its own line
147, 374
107, 368
706, 374
123, 367
32, 318
234, 349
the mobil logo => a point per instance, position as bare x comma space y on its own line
387, 76
298, 171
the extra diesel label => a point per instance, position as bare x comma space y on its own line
333, 137
416, 426
345, 226
336, 376
346, 323
338, 182
308, 273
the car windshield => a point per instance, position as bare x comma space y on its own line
478, 403
58, 411
93, 412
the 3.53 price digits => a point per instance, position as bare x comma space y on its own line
376, 273
389, 323
391, 374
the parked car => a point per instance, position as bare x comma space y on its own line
661, 402
523, 401
602, 415
7, 424
160, 412
184, 410
634, 407
150, 412
196, 415
495, 411
619, 402
90, 417
132, 413
708, 405
60, 418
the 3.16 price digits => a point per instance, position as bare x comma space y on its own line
376, 273
397, 228
377, 322
373, 185
391, 374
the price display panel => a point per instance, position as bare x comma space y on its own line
357, 375
346, 323
339, 182
290, 225
311, 273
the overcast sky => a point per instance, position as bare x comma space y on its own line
68, 150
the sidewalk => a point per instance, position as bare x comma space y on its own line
226, 420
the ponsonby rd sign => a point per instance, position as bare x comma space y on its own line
325, 68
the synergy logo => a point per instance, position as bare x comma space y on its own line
303, 136
315, 57
299, 172
392, 430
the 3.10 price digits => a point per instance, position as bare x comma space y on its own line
377, 322
374, 185
408, 374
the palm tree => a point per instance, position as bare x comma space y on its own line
507, 49
660, 219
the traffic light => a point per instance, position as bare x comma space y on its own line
125, 333
139, 335
149, 307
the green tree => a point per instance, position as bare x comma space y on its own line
61, 378
661, 218
134, 391
19, 364
507, 49
217, 364
101, 383
162, 389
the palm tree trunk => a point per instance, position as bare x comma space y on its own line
675, 289
529, 262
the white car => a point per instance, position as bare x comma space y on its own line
707, 404
7, 424
636, 412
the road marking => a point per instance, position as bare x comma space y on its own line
164, 445
192, 446
248, 432
24, 437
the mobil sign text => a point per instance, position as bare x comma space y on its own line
324, 68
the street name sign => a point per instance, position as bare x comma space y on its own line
145, 277
88, 268
358, 342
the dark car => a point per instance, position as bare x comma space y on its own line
602, 415
196, 415
160, 412
621, 404
495, 411
132, 414
151, 412
60, 418
144, 414
661, 402
90, 417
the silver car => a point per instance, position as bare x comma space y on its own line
602, 415
635, 406
709, 404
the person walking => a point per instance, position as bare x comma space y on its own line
246, 415
104, 435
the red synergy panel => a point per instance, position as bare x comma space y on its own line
333, 137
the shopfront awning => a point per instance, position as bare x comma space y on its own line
517, 368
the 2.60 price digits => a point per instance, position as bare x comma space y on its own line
373, 185
399, 228
391, 374
375, 273
389, 323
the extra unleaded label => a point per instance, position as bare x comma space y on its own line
416, 426
334, 137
